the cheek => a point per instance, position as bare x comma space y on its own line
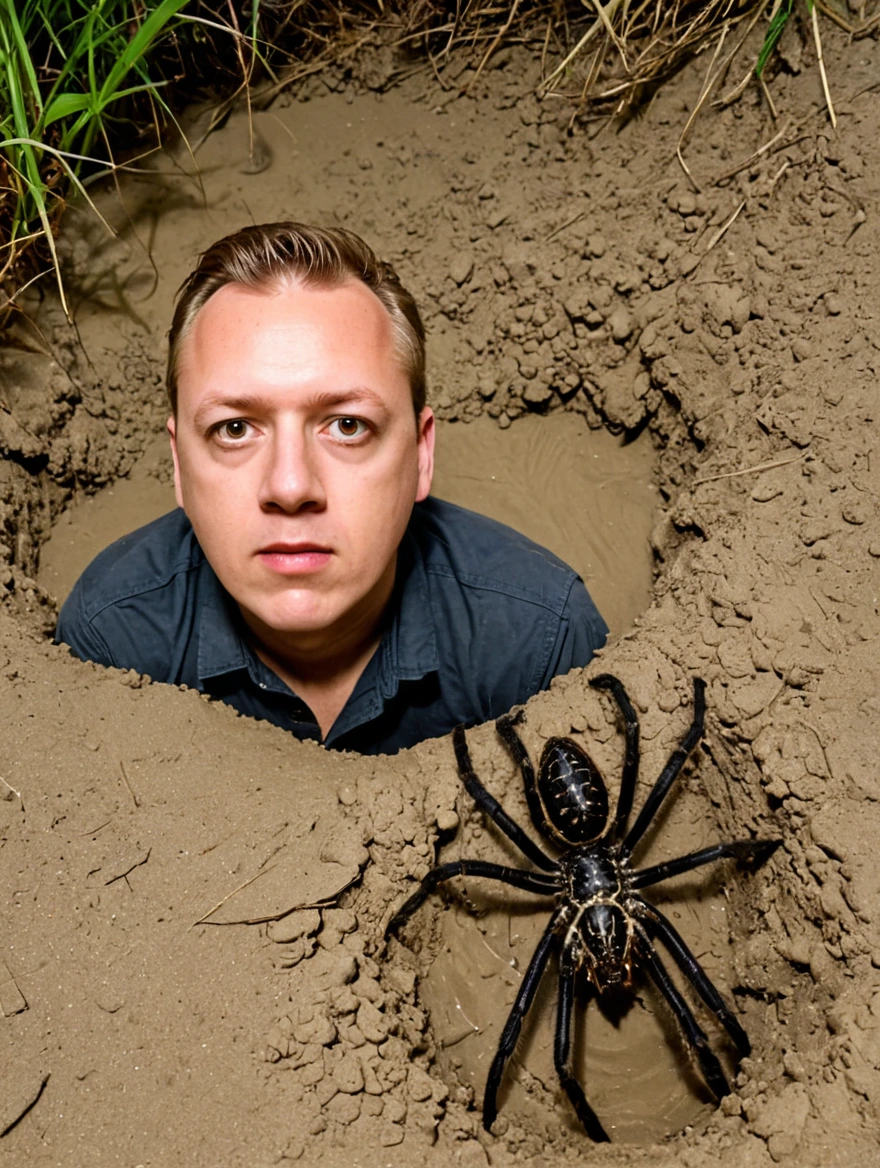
380, 493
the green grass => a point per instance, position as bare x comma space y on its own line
778, 22
67, 69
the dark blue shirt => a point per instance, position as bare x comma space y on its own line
481, 618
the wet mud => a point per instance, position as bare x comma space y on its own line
193, 965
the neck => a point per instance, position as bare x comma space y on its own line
322, 667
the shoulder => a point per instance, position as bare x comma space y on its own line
134, 585
143, 560
470, 551
507, 615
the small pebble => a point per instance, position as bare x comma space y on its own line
461, 267
447, 820
621, 324
302, 923
390, 1135
766, 491
833, 304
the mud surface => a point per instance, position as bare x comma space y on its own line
192, 966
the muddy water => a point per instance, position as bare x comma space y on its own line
576, 491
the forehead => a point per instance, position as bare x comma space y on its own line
287, 333
294, 306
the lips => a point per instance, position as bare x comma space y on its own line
294, 549
294, 559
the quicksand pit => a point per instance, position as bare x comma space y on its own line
142, 1021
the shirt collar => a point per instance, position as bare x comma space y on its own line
221, 647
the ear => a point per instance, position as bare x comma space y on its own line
427, 433
171, 427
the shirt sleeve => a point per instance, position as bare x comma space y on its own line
79, 634
581, 632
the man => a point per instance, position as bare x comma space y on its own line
307, 577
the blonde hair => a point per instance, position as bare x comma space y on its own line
263, 256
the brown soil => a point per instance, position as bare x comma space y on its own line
161, 1000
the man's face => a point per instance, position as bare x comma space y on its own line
297, 457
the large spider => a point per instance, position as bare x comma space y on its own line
599, 922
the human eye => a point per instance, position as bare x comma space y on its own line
348, 430
232, 431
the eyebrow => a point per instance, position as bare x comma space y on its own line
252, 403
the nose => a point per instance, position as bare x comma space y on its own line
292, 480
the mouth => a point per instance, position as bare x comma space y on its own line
294, 549
294, 559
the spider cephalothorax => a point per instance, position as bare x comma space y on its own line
599, 924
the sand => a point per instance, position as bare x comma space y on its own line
193, 967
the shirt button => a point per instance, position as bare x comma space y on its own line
261, 684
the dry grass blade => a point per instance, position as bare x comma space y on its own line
814, 20
597, 27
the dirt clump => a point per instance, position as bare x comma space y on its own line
193, 966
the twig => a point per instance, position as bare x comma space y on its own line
128, 784
815, 20
327, 902
769, 99
708, 85
732, 474
569, 223
856, 31
494, 45
597, 26
128, 871
721, 230
752, 157
229, 896
9, 787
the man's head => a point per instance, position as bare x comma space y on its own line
295, 453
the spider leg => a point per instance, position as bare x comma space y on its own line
530, 881
695, 1036
631, 755
658, 925
513, 1025
562, 1054
755, 850
493, 808
516, 748
670, 772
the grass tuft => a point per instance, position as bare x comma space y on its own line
66, 67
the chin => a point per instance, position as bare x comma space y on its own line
294, 619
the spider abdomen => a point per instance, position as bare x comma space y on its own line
572, 792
